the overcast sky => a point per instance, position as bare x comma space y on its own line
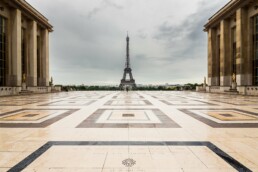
167, 42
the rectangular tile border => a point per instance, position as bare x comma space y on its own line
87, 97
145, 114
220, 125
36, 154
206, 104
171, 96
116, 97
51, 103
36, 125
109, 103
251, 103
23, 104
90, 122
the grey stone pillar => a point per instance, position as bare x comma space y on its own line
45, 57
211, 57
225, 60
32, 74
16, 76
241, 44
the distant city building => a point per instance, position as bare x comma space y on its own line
233, 47
24, 46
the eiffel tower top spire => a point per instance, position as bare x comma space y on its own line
127, 62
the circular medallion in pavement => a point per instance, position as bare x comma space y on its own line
129, 162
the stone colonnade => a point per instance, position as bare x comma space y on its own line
14, 72
221, 51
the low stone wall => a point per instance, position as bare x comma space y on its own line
243, 90
56, 89
224, 89
252, 90
200, 89
215, 89
39, 89
9, 91
6, 91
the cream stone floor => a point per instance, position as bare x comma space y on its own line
129, 132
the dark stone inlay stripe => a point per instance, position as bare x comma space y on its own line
220, 125
31, 115
128, 115
32, 157
227, 115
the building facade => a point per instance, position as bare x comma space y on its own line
233, 47
24, 47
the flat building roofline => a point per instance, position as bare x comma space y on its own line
225, 11
25, 6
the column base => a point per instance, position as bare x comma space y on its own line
234, 86
24, 87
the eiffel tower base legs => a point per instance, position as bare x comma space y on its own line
130, 86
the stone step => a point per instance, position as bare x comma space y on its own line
232, 91
25, 92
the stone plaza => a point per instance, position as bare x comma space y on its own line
128, 131
134, 131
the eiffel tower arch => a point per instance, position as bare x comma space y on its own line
130, 82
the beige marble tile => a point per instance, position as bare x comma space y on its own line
240, 143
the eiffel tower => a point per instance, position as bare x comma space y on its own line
127, 71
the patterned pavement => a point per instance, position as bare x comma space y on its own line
134, 131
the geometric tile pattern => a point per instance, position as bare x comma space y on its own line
157, 130
52, 144
224, 118
118, 118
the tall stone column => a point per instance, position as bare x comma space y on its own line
241, 44
16, 76
225, 60
32, 77
211, 57
45, 57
